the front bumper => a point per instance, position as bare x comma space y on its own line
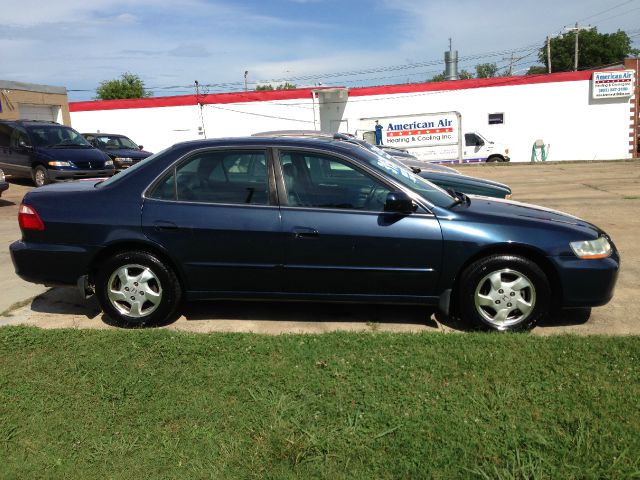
124, 164
50, 264
587, 283
3, 186
75, 174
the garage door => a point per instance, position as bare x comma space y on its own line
39, 112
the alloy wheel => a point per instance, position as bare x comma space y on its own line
505, 297
134, 290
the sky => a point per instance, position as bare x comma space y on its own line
170, 44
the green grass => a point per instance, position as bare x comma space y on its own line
161, 404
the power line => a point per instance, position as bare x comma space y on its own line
607, 10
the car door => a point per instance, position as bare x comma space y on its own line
338, 239
216, 214
21, 152
15, 157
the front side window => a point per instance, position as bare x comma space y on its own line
229, 177
321, 181
19, 138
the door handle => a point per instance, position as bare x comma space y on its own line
304, 232
163, 225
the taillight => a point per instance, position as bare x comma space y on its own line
29, 219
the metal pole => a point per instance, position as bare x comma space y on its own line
575, 62
548, 53
246, 72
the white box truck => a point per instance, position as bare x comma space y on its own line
432, 137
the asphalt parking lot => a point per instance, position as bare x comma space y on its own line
604, 193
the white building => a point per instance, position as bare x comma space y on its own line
559, 108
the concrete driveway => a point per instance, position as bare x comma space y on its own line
605, 193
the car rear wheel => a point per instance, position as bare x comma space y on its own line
136, 289
41, 176
504, 293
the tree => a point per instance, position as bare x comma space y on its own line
440, 77
127, 86
595, 50
284, 86
536, 70
486, 70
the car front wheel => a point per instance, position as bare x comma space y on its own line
136, 289
504, 293
41, 176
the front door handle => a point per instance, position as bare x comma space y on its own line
305, 232
160, 225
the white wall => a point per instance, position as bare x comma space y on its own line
561, 113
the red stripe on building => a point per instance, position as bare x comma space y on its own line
305, 93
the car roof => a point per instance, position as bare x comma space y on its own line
105, 134
322, 142
24, 122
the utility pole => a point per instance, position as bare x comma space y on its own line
577, 29
512, 60
548, 54
199, 100
575, 62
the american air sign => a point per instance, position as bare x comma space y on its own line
428, 136
427, 130
612, 84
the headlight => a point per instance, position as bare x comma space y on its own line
59, 164
123, 159
108, 163
591, 249
2, 179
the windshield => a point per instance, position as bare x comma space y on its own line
115, 142
392, 167
56, 136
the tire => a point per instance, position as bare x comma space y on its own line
504, 293
136, 289
495, 158
40, 176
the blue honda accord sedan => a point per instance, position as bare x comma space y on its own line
318, 219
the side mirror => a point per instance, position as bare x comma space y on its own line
140, 147
399, 202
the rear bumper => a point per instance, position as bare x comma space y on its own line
64, 175
587, 283
50, 264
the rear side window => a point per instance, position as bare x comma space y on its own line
5, 135
226, 177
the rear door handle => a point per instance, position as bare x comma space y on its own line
160, 225
304, 232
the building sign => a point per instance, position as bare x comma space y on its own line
612, 84
421, 130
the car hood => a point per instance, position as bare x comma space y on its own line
459, 178
496, 207
481, 219
128, 152
73, 154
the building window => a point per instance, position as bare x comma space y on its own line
496, 118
